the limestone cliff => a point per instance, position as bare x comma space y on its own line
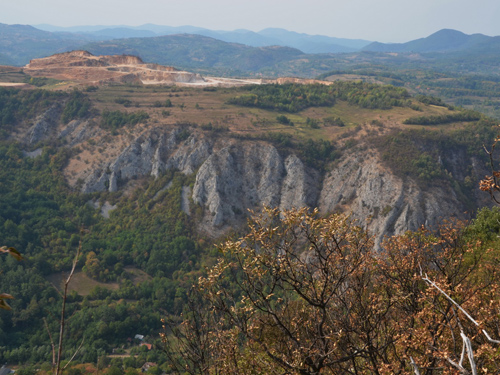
232, 176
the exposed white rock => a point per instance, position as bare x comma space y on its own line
33, 154
384, 203
234, 176
300, 186
44, 125
105, 209
151, 153
186, 193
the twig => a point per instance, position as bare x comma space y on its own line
63, 311
467, 345
74, 354
414, 365
51, 343
432, 283
470, 353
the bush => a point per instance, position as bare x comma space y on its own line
116, 119
282, 119
463, 116
78, 106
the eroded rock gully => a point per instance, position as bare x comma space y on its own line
233, 176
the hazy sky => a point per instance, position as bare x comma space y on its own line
380, 20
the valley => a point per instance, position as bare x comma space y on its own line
150, 168
324, 155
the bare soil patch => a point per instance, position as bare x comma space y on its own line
83, 285
137, 276
13, 84
80, 283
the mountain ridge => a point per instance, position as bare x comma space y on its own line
195, 51
265, 37
444, 40
445, 48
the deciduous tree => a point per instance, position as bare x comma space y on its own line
307, 294
4, 296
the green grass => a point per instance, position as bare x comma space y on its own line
83, 285
201, 107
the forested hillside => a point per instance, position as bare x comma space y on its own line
147, 179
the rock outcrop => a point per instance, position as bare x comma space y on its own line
384, 203
82, 66
151, 153
44, 125
234, 176
247, 176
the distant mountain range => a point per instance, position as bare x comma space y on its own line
270, 52
445, 40
20, 43
265, 38
191, 51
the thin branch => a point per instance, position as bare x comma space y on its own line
414, 365
458, 366
463, 354
63, 310
470, 353
432, 283
51, 343
74, 354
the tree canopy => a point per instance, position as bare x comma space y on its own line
305, 294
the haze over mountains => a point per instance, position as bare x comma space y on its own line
445, 40
270, 53
267, 37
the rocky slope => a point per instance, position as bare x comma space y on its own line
82, 66
232, 176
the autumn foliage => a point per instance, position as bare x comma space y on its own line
305, 294
491, 183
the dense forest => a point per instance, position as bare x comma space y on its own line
296, 97
46, 220
41, 216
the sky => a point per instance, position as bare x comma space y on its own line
374, 20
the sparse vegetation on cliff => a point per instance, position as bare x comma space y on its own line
113, 120
465, 116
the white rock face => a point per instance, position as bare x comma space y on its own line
383, 202
235, 176
248, 176
44, 125
185, 204
301, 185
149, 154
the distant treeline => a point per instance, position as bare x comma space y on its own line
296, 97
480, 91
15, 105
432, 100
113, 120
463, 116
289, 98
18, 105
